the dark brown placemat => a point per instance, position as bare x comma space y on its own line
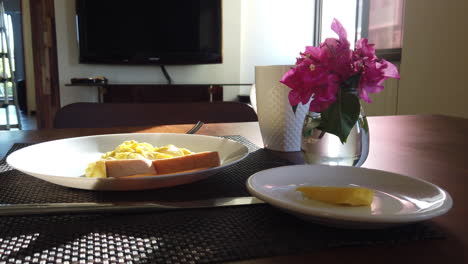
17, 187
188, 236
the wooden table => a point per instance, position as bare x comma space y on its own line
432, 148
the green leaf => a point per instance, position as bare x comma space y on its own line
340, 117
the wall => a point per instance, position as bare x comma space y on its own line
384, 102
273, 33
28, 57
67, 49
255, 32
434, 75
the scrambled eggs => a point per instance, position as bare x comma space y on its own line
133, 150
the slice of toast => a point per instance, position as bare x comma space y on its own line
140, 167
122, 168
207, 159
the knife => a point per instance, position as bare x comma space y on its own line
120, 207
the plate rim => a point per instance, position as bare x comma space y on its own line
374, 219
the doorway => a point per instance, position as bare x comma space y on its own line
14, 89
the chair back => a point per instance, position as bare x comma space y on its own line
102, 115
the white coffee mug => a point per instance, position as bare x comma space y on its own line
279, 125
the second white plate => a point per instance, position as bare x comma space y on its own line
398, 199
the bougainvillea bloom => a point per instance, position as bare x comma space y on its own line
373, 75
321, 71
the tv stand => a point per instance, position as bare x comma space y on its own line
158, 93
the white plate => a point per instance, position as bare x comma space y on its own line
64, 161
398, 199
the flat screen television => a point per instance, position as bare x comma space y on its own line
162, 32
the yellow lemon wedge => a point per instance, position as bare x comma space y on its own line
353, 196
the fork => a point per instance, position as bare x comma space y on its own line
195, 128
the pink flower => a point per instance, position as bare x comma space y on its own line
338, 53
300, 81
364, 50
308, 79
321, 71
373, 75
326, 94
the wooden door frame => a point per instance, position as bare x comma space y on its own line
46, 76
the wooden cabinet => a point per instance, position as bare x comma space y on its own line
157, 93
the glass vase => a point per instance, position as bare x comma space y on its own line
319, 147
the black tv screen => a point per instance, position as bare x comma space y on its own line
163, 32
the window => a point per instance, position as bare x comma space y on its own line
381, 21
5, 70
385, 23
345, 12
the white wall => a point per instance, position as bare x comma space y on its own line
67, 48
273, 32
255, 32
268, 32
434, 75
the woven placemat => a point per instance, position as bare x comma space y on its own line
17, 187
188, 236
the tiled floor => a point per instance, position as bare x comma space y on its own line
28, 122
